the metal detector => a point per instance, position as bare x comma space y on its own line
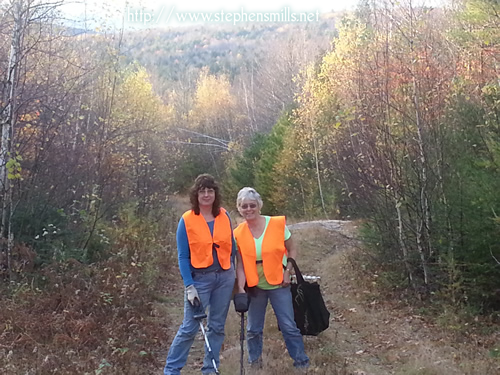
241, 303
199, 315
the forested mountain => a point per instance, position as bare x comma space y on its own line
258, 60
223, 49
390, 115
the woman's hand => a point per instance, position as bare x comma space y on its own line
286, 278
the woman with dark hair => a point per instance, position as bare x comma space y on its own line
206, 251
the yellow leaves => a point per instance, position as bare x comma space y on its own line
215, 107
137, 107
14, 167
212, 93
26, 117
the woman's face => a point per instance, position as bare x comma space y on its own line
249, 209
206, 197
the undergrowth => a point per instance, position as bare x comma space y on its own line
76, 318
451, 321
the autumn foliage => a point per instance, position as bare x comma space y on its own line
394, 121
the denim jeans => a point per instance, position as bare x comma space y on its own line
214, 290
281, 301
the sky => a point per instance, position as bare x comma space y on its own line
169, 13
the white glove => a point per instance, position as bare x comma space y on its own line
192, 294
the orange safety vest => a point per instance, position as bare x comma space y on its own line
273, 250
201, 241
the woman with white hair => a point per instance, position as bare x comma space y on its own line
264, 245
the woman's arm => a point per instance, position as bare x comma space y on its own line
240, 273
292, 253
234, 250
183, 254
291, 248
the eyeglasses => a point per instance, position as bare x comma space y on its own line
251, 205
206, 191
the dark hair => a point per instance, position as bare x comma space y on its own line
204, 181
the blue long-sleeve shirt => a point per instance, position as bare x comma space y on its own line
184, 255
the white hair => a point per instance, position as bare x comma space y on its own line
249, 194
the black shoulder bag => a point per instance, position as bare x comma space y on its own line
311, 314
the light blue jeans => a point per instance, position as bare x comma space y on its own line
281, 301
214, 290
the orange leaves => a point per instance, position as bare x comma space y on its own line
27, 117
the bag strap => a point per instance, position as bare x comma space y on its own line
298, 274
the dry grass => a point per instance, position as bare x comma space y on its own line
368, 335
379, 336
105, 320
84, 320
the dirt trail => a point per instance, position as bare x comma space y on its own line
366, 336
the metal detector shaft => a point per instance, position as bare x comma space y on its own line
242, 340
199, 315
208, 347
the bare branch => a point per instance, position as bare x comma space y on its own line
496, 260
199, 144
221, 141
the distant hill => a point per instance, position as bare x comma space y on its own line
170, 53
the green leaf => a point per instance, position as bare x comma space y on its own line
495, 353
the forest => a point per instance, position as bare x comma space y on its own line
388, 116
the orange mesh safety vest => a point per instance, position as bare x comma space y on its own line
273, 250
201, 241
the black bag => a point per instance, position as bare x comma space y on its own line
311, 314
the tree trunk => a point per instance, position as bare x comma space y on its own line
423, 227
7, 120
402, 243
318, 177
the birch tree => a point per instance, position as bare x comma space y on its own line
25, 17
